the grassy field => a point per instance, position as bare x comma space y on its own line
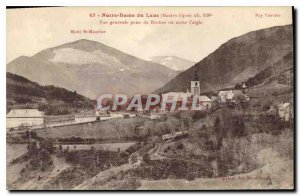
115, 128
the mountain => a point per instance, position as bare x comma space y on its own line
173, 62
23, 93
92, 68
237, 60
275, 80
282, 71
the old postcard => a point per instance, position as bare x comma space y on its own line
150, 98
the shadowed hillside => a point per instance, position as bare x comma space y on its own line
237, 60
23, 93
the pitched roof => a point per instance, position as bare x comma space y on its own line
204, 98
227, 94
179, 95
237, 92
25, 113
283, 105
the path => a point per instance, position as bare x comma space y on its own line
87, 184
59, 165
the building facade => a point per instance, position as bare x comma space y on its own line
195, 85
24, 117
202, 102
285, 111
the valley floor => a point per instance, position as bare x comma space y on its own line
256, 153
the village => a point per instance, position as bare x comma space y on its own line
182, 130
187, 133
30, 119
151, 104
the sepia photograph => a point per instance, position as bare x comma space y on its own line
150, 98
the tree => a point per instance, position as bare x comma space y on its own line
33, 148
217, 125
239, 127
44, 155
48, 145
180, 146
238, 86
239, 98
133, 158
219, 132
146, 158
33, 134
27, 134
204, 128
92, 148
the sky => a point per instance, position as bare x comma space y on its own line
31, 30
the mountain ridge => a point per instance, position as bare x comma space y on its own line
256, 49
91, 68
173, 62
23, 93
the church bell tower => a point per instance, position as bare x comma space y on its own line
195, 85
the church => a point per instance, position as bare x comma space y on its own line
203, 102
